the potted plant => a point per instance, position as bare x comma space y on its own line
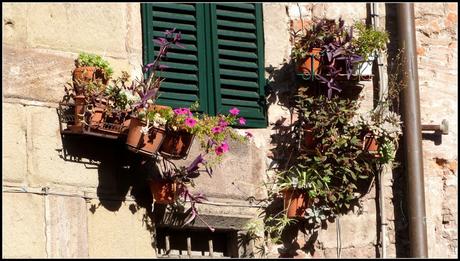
368, 42
91, 67
148, 121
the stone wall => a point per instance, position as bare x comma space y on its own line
99, 209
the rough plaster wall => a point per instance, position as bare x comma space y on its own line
36, 64
437, 31
437, 49
101, 208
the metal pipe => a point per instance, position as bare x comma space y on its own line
383, 92
410, 104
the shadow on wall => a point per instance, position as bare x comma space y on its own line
120, 172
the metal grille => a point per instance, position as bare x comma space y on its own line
195, 243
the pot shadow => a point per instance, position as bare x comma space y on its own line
121, 173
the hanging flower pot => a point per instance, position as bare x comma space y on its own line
371, 145
310, 66
177, 143
295, 202
308, 141
163, 191
146, 144
364, 69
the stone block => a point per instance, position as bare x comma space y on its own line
23, 226
43, 144
67, 227
367, 251
238, 176
121, 233
277, 45
71, 27
356, 231
349, 12
35, 74
14, 24
14, 143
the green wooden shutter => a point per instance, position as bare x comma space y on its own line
238, 68
185, 80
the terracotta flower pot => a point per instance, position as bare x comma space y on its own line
177, 143
96, 116
80, 102
310, 66
295, 202
86, 74
164, 192
142, 143
309, 137
370, 144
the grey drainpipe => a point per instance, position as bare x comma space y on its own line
410, 105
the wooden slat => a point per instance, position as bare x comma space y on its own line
240, 83
175, 16
237, 6
236, 63
238, 93
240, 54
182, 7
242, 35
239, 15
233, 24
237, 73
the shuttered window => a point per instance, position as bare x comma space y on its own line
222, 63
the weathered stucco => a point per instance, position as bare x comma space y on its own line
94, 211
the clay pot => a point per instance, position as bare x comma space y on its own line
96, 116
370, 144
86, 74
141, 143
177, 143
80, 102
308, 137
310, 66
164, 192
296, 202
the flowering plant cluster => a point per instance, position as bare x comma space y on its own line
213, 132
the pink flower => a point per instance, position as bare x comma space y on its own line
242, 121
223, 123
190, 122
182, 111
217, 129
234, 111
222, 148
248, 134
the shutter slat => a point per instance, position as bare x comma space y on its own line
235, 73
178, 26
239, 15
178, 56
181, 66
185, 37
173, 16
175, 7
238, 6
178, 86
237, 44
179, 97
177, 76
237, 63
240, 54
238, 93
240, 102
243, 35
234, 24
246, 84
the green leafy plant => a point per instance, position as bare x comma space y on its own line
86, 59
368, 40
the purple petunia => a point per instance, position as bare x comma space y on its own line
190, 122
